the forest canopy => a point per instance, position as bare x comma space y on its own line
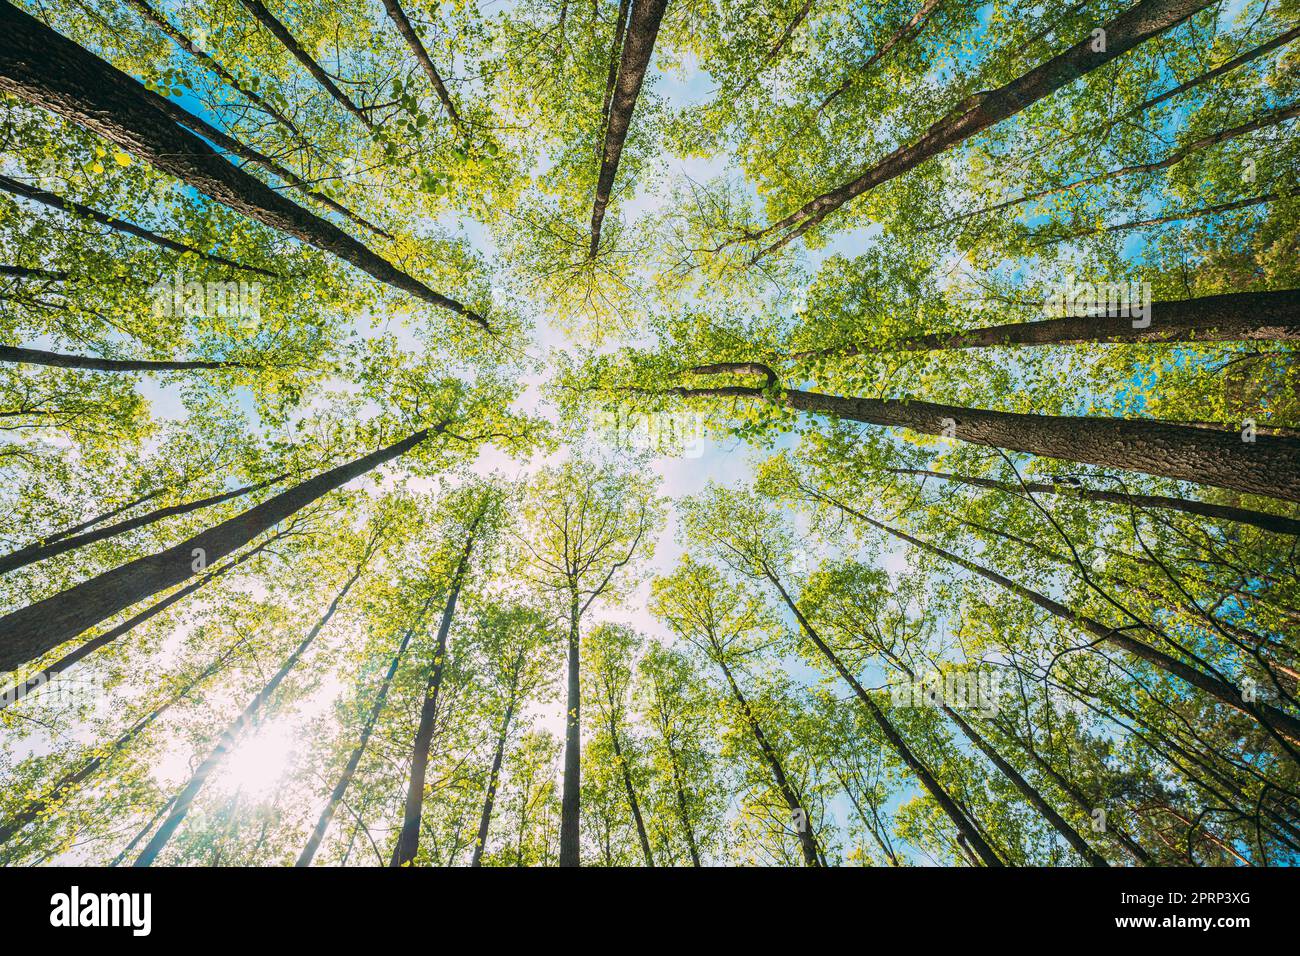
649, 433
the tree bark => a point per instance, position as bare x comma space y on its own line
638, 46
24, 356
1230, 317
290, 43
807, 841
494, 776
32, 631
55, 201
34, 553
1269, 466
571, 795
113, 513
354, 759
904, 34
408, 841
412, 39
631, 793
48, 70
1278, 524
23, 272
1141, 22
229, 737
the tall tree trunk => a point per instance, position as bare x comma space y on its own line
290, 43
399, 18
354, 758
408, 841
21, 689
113, 513
55, 201
229, 737
1141, 22
44, 275
34, 553
1231, 317
1268, 716
1278, 524
904, 34
964, 824
24, 356
494, 777
32, 631
1268, 466
638, 46
158, 20
632, 801
50, 71
807, 840
1180, 216
571, 796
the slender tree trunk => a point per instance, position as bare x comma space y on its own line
230, 736
399, 18
290, 43
354, 758
1141, 22
964, 824
23, 272
631, 793
408, 841
24, 356
494, 777
32, 631
615, 56
1268, 466
21, 689
1231, 317
904, 34
1270, 717
48, 70
1278, 524
638, 46
158, 20
34, 553
1180, 216
800, 15
55, 201
571, 796
60, 535
807, 840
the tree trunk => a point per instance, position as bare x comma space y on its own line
903, 34
964, 824
412, 39
18, 691
1231, 317
25, 356
48, 70
1268, 716
34, 553
1278, 524
1268, 466
408, 840
32, 631
638, 46
1141, 22
807, 841
571, 796
494, 776
1180, 216
60, 535
631, 794
43, 275
55, 201
290, 43
354, 759
229, 737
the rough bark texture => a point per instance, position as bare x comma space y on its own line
571, 794
48, 70
32, 631
638, 45
229, 737
55, 201
1141, 22
1259, 519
